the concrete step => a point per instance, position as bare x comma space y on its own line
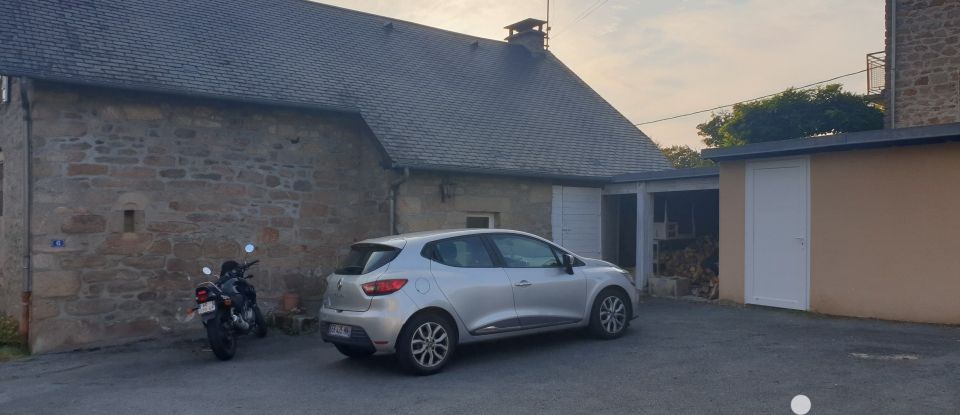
296, 324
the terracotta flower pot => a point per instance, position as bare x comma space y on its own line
291, 302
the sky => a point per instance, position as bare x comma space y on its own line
653, 59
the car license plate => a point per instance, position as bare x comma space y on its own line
208, 307
339, 330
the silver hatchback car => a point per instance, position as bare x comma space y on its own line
419, 295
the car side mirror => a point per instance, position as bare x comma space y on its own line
568, 263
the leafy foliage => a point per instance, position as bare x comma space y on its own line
9, 333
11, 344
684, 157
792, 114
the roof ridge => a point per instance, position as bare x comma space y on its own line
394, 19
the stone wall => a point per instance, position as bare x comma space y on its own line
516, 203
13, 132
144, 190
927, 61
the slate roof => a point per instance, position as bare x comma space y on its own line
435, 99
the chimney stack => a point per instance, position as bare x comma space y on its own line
528, 33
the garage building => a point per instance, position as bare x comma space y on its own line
859, 224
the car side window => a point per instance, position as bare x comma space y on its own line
468, 252
523, 252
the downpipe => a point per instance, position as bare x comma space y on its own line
25, 301
26, 297
394, 189
893, 64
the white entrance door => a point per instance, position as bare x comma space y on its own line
576, 219
777, 210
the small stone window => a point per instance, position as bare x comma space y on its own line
129, 221
481, 221
127, 215
132, 220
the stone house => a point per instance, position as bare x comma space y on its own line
923, 62
143, 139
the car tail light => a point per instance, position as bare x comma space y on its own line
201, 296
383, 287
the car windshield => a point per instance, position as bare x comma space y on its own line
364, 258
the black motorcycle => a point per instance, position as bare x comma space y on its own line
228, 307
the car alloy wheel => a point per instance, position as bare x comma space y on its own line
613, 314
430, 344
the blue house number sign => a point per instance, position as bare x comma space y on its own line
58, 243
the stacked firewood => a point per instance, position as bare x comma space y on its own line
696, 262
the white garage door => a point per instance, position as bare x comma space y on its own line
776, 234
576, 219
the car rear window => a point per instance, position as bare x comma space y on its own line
364, 258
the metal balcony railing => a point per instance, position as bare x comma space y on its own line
876, 73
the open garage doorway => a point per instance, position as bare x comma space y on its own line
686, 240
664, 227
619, 232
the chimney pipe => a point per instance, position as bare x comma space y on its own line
528, 33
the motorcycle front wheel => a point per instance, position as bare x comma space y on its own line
222, 341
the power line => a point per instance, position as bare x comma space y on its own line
583, 15
749, 100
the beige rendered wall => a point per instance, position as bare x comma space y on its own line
884, 233
732, 198
516, 203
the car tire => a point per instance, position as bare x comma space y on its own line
426, 344
354, 352
610, 315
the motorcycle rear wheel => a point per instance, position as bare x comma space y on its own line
261, 330
222, 341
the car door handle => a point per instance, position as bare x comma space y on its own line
523, 283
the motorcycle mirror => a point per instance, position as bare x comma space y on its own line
249, 248
207, 271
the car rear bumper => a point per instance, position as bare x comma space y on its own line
358, 337
378, 327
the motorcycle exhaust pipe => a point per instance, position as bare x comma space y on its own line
240, 323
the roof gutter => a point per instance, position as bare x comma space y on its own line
140, 87
674, 174
847, 141
506, 173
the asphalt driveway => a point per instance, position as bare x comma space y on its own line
678, 358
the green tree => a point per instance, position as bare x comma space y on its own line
792, 114
683, 157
